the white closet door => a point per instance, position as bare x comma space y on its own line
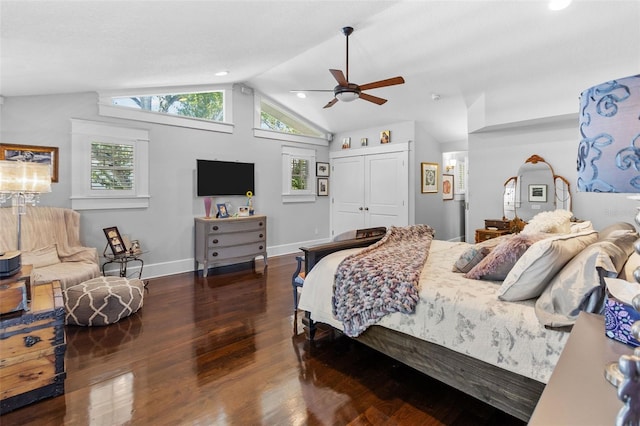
347, 194
386, 189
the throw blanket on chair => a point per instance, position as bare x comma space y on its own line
381, 279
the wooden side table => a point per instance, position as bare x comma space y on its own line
487, 234
577, 392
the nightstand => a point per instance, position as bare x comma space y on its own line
577, 392
487, 234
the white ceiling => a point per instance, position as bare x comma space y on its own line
457, 49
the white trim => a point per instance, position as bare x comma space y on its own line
288, 137
382, 149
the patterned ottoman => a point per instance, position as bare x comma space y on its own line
103, 300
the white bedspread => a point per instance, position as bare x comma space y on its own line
458, 313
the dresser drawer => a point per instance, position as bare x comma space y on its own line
235, 226
245, 250
233, 239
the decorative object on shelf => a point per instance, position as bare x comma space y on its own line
364, 141
385, 136
22, 182
322, 169
222, 210
249, 195
607, 159
115, 241
243, 211
323, 187
47, 155
447, 187
346, 143
207, 206
429, 177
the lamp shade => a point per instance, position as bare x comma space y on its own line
20, 176
609, 150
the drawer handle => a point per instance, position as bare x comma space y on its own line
215, 227
261, 235
214, 254
31, 340
260, 247
260, 223
215, 241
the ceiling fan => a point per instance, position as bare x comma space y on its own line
346, 91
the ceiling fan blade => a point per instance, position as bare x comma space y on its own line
339, 76
331, 102
374, 99
382, 83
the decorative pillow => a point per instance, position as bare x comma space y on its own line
585, 225
556, 221
629, 267
497, 264
470, 258
580, 286
619, 226
41, 257
533, 271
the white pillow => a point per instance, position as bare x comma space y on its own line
41, 257
540, 263
585, 225
556, 221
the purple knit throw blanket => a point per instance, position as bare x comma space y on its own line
381, 279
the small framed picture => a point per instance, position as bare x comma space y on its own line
243, 211
135, 247
346, 143
385, 136
322, 169
447, 187
115, 241
364, 141
222, 210
429, 177
537, 193
323, 187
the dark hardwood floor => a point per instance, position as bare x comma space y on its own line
220, 350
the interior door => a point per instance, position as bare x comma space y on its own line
386, 189
347, 189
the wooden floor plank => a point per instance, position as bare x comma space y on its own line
221, 350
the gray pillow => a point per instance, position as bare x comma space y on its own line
618, 226
580, 286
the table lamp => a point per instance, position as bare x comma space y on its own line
609, 161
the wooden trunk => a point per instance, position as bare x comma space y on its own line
32, 347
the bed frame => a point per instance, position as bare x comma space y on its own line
507, 391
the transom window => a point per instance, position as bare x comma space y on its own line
207, 106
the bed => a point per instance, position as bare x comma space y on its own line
461, 332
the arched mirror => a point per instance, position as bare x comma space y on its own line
535, 189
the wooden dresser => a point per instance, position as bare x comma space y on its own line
32, 348
220, 242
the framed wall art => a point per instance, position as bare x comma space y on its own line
429, 177
346, 143
447, 187
385, 136
323, 187
322, 169
34, 154
537, 193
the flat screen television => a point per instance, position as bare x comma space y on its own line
215, 178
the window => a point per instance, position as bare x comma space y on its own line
298, 185
110, 166
273, 121
199, 108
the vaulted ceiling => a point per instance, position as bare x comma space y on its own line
458, 50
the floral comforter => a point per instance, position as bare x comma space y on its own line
455, 312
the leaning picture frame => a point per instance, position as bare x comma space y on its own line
322, 169
222, 210
429, 177
34, 154
115, 241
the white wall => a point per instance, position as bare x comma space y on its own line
165, 229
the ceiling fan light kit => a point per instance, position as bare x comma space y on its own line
347, 92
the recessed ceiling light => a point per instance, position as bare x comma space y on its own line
559, 4
221, 73
301, 95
